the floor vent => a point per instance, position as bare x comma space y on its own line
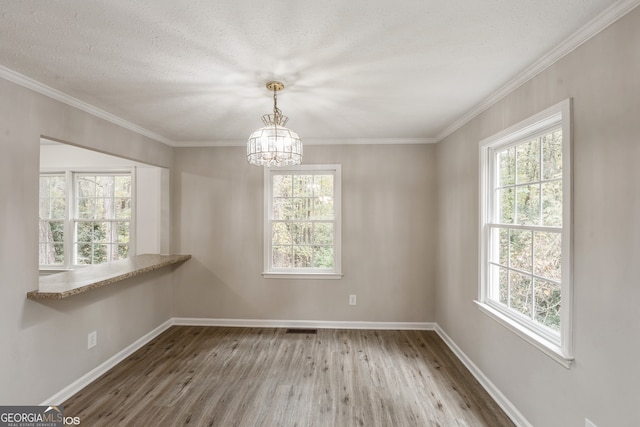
302, 331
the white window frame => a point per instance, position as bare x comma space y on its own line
557, 345
71, 217
303, 273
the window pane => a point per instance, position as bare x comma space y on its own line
99, 254
500, 246
86, 208
280, 234
123, 208
528, 204
84, 231
323, 256
44, 211
547, 302
323, 208
301, 232
105, 186
323, 233
282, 208
58, 208
46, 254
302, 208
303, 185
547, 255
499, 291
122, 186
90, 232
51, 253
504, 246
122, 232
552, 203
52, 197
86, 187
57, 231
528, 161
101, 232
113, 252
520, 250
58, 248
520, 293
123, 251
44, 187
282, 186
302, 256
507, 167
505, 206
52, 186
282, 257
106, 208
323, 186
84, 253
552, 155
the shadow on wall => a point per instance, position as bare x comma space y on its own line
103, 301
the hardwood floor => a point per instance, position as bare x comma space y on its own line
210, 376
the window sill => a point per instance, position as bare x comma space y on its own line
548, 348
313, 276
69, 283
49, 271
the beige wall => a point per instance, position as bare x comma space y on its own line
410, 239
389, 229
44, 345
602, 78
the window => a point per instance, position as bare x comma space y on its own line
53, 214
525, 233
85, 218
302, 222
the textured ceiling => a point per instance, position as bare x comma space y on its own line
354, 69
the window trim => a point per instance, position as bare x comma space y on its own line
336, 272
560, 349
70, 215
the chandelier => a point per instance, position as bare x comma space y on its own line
274, 144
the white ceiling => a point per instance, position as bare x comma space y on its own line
193, 72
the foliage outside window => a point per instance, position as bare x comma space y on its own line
85, 218
53, 214
302, 228
525, 232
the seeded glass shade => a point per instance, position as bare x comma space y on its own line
274, 144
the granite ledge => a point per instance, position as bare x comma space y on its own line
69, 283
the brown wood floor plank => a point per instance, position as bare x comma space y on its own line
211, 376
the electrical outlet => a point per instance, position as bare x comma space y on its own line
588, 423
352, 300
92, 339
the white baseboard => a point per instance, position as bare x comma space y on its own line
321, 324
95, 373
493, 391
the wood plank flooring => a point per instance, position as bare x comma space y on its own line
211, 376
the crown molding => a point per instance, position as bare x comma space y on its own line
45, 90
593, 27
315, 141
596, 25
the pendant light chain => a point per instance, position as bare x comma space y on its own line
277, 114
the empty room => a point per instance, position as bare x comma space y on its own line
329, 213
